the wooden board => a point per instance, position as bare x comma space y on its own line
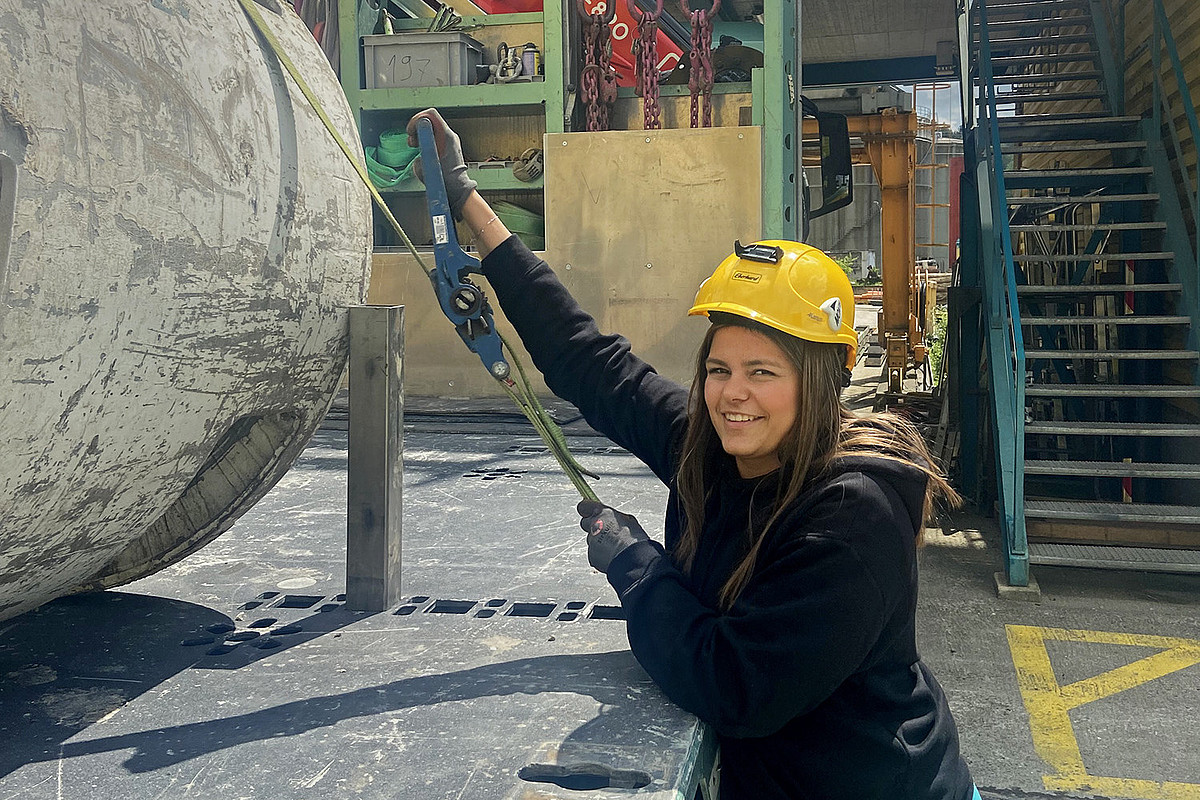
1143, 535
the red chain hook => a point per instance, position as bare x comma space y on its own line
597, 82
700, 74
609, 14
645, 50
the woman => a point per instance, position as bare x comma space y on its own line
781, 608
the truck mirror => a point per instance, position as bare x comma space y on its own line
837, 171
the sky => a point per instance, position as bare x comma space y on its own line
949, 102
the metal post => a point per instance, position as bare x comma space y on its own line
376, 467
783, 175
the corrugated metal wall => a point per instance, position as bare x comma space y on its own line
1184, 19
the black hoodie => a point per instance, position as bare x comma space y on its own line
812, 679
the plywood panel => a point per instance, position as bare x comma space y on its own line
643, 217
633, 228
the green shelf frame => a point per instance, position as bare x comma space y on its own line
490, 179
480, 96
545, 98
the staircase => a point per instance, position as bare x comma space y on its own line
1112, 446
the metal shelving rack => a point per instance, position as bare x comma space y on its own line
545, 97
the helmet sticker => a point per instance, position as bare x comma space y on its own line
749, 277
833, 312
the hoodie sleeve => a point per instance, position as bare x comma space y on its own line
809, 618
618, 394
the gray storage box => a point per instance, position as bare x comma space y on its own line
420, 59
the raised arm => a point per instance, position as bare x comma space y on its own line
620, 395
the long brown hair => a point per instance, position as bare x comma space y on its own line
824, 430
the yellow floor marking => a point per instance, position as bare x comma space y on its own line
1048, 704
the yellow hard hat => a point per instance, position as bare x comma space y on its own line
789, 286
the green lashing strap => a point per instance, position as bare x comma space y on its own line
522, 393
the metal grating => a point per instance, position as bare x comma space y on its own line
1112, 512
1149, 559
495, 473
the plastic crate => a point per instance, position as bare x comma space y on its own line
407, 60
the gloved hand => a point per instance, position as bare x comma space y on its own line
450, 157
609, 532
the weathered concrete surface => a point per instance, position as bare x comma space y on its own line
179, 237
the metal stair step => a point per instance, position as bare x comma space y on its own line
1068, 146
1116, 469
1044, 58
1112, 512
1049, 6
1127, 178
1062, 21
1087, 172
1061, 199
1107, 288
1047, 77
1095, 226
1065, 118
1148, 559
1052, 40
1108, 391
1036, 258
1053, 127
1113, 428
1115, 319
1003, 98
1114, 355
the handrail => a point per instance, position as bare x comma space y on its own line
1162, 31
1006, 346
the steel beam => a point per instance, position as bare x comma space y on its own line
891, 142
376, 466
781, 112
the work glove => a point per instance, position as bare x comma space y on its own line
609, 532
450, 157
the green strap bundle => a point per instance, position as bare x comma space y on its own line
391, 163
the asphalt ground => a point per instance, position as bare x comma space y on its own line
166, 687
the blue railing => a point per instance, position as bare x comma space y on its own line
1162, 35
1005, 346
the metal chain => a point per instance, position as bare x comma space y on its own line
645, 53
597, 81
700, 76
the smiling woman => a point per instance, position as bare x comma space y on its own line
750, 390
779, 607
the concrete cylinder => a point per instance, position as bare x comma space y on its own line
179, 240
